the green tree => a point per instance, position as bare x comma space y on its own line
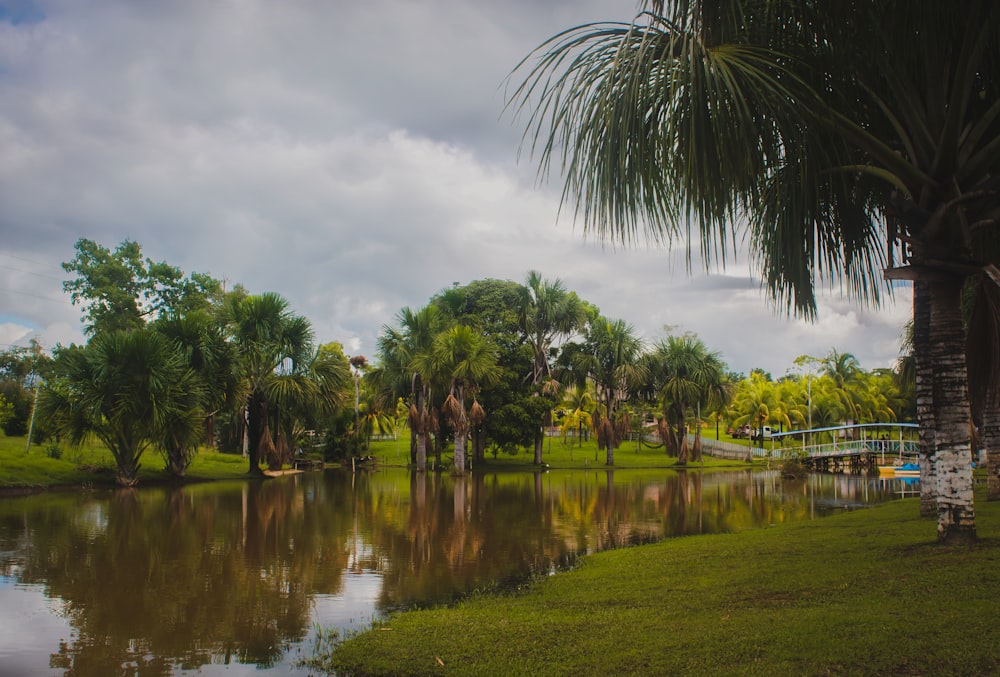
609, 357
547, 311
126, 388
579, 403
120, 289
327, 388
204, 347
683, 373
402, 351
827, 130
467, 359
21, 370
273, 350
515, 404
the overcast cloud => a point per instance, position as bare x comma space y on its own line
351, 156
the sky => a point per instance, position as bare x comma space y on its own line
354, 157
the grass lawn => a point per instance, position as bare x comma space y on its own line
867, 592
556, 453
92, 465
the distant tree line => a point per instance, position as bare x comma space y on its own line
174, 362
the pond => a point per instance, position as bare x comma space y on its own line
233, 577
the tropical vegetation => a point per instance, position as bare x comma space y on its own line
493, 367
851, 143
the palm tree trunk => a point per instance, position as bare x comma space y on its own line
256, 412
989, 436
460, 437
611, 429
539, 443
421, 451
682, 445
952, 459
925, 396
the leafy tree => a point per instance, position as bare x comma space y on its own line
828, 131
491, 307
21, 369
120, 289
130, 389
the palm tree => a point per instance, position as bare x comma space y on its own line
755, 399
131, 389
847, 138
547, 311
579, 402
844, 370
309, 391
610, 359
683, 373
401, 351
274, 348
468, 359
984, 337
202, 343
373, 419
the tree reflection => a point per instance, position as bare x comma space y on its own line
157, 580
153, 580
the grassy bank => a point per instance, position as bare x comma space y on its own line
49, 465
92, 465
868, 592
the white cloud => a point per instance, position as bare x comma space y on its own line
353, 157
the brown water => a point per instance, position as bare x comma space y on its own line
232, 578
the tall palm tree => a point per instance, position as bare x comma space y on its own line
755, 399
579, 402
547, 311
846, 138
844, 371
610, 359
683, 373
468, 359
202, 343
130, 389
402, 350
308, 391
273, 347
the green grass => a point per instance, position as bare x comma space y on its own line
556, 453
868, 592
93, 465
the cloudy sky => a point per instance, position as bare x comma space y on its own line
354, 157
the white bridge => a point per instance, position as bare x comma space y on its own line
863, 444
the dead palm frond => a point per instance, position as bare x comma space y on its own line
476, 413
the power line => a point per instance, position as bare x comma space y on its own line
44, 298
26, 260
30, 272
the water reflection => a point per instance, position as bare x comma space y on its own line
234, 575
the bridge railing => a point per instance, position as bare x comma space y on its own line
890, 440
